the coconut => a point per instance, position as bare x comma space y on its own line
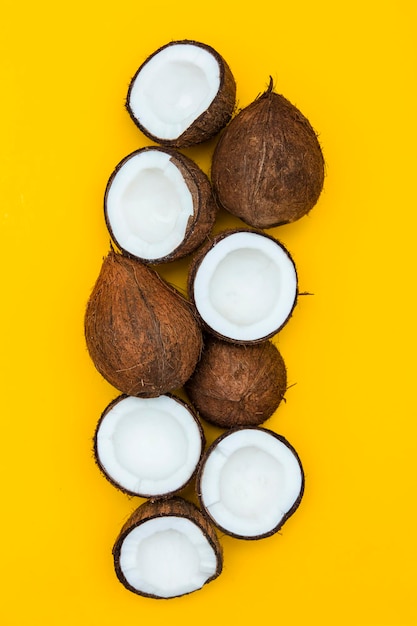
250, 482
148, 447
244, 285
142, 334
158, 205
237, 385
183, 94
268, 167
166, 549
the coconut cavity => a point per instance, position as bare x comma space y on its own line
237, 385
167, 549
268, 167
158, 205
184, 93
244, 286
149, 447
250, 482
142, 335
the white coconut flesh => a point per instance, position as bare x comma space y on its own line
167, 556
250, 481
148, 205
173, 88
149, 446
245, 287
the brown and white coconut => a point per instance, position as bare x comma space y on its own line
158, 205
250, 482
149, 447
237, 385
166, 549
268, 166
184, 93
244, 285
142, 335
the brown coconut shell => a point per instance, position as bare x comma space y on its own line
237, 385
174, 506
204, 205
268, 167
212, 120
141, 333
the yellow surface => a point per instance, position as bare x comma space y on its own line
348, 555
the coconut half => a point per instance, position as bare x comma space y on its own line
167, 549
250, 481
158, 205
148, 447
243, 285
184, 93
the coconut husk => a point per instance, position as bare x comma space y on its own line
237, 385
204, 205
268, 167
212, 120
174, 506
142, 335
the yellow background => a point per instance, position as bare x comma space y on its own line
348, 555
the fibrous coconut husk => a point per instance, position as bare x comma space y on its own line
237, 385
268, 166
142, 335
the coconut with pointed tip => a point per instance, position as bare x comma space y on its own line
158, 205
244, 285
167, 548
237, 385
268, 167
184, 93
142, 335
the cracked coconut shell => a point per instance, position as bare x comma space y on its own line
142, 335
268, 167
237, 385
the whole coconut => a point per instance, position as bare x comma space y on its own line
142, 335
268, 167
237, 385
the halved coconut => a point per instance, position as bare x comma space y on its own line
183, 94
158, 205
148, 447
250, 481
167, 548
244, 285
